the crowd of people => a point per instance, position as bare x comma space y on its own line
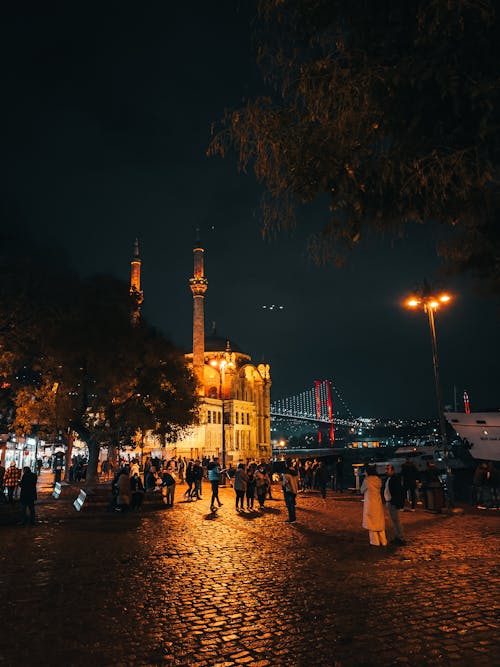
253, 485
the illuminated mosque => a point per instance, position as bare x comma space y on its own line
234, 413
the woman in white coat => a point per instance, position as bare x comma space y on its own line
373, 508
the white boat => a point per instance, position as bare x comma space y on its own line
480, 430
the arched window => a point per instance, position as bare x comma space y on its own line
212, 392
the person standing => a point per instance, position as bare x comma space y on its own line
214, 474
250, 493
137, 491
28, 496
478, 484
373, 510
290, 490
409, 476
321, 478
269, 471
123, 489
2, 486
240, 485
262, 482
394, 500
168, 487
491, 482
339, 474
11, 480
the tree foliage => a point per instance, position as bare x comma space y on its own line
86, 368
388, 108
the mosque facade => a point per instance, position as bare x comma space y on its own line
234, 394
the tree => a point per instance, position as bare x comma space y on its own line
120, 378
75, 361
36, 287
390, 110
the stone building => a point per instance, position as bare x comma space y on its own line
234, 392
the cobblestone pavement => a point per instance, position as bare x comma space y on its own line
183, 586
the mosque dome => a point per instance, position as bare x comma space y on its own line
216, 343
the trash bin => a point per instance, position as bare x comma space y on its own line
435, 498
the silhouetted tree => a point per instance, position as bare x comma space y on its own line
389, 109
75, 362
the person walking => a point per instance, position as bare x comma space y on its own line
394, 500
11, 480
290, 490
214, 474
188, 476
373, 510
28, 496
197, 480
240, 485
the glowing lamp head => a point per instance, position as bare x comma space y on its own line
444, 298
433, 304
413, 302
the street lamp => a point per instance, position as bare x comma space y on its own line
429, 303
221, 365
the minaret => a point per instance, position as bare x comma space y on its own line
136, 294
198, 284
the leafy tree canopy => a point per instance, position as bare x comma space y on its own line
85, 367
390, 109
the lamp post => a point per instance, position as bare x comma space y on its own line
221, 365
429, 303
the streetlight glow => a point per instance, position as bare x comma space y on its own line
429, 303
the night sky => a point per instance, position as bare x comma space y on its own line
106, 118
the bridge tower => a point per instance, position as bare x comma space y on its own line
324, 400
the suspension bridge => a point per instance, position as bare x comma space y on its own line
321, 404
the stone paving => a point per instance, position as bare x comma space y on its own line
185, 587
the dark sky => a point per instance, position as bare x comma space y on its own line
106, 117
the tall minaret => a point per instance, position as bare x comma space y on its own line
136, 294
198, 284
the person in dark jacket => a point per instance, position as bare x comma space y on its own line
395, 500
28, 496
321, 478
137, 491
197, 480
168, 487
290, 490
409, 477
